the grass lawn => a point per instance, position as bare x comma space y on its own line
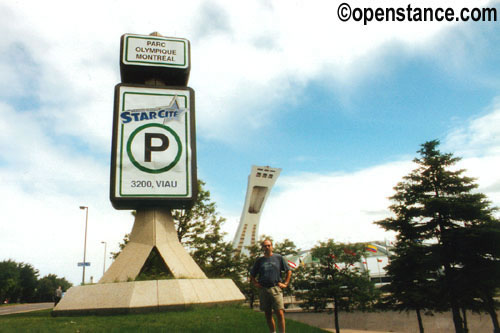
196, 319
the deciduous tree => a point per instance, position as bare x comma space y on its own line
199, 231
18, 281
48, 285
336, 279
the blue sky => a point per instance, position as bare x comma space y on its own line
342, 108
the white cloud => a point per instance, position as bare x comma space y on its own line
254, 67
47, 230
478, 142
308, 208
44, 181
246, 58
480, 135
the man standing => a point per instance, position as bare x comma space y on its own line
57, 295
266, 275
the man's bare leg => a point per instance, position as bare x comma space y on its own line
270, 321
280, 315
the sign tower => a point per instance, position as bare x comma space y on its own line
153, 170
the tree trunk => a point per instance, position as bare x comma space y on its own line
494, 319
490, 308
464, 315
336, 314
420, 323
419, 319
457, 319
455, 309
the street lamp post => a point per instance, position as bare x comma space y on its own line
85, 241
104, 265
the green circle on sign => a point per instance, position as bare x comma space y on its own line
149, 170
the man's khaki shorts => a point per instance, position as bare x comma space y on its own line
271, 298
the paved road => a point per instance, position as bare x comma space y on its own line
19, 308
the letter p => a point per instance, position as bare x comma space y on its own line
148, 144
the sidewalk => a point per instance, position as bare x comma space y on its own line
20, 308
384, 322
324, 321
343, 330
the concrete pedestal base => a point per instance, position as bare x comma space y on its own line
153, 228
146, 296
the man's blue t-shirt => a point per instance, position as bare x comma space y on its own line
268, 270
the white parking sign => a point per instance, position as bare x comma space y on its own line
153, 147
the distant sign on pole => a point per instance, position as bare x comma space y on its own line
81, 264
153, 153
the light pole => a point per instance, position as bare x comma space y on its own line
85, 241
104, 265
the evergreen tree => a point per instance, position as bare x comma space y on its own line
440, 222
479, 277
413, 281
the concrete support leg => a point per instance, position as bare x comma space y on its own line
153, 227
